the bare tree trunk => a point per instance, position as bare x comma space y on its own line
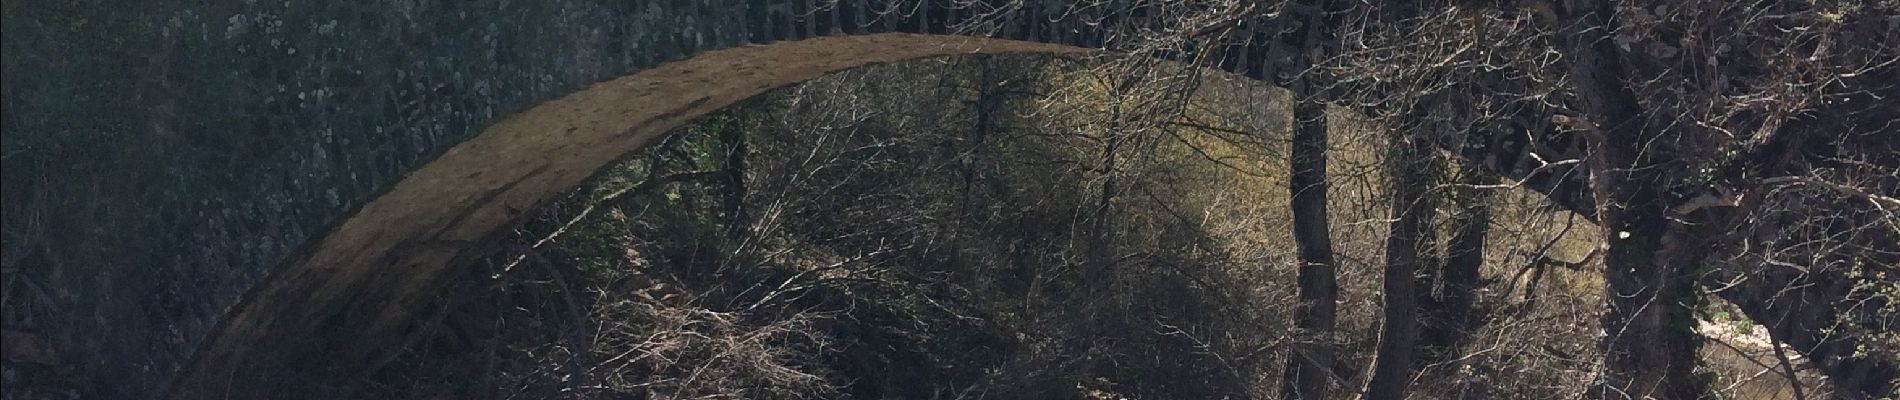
967, 155
732, 200
1099, 251
1649, 343
1449, 313
1310, 357
1458, 315
1410, 175
1310, 360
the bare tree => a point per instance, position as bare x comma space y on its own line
1410, 170
732, 199
1311, 359
1449, 310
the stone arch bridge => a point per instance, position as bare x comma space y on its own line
200, 196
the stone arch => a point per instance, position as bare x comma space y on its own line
266, 158
360, 280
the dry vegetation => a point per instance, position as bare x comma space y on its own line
1678, 200
938, 245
